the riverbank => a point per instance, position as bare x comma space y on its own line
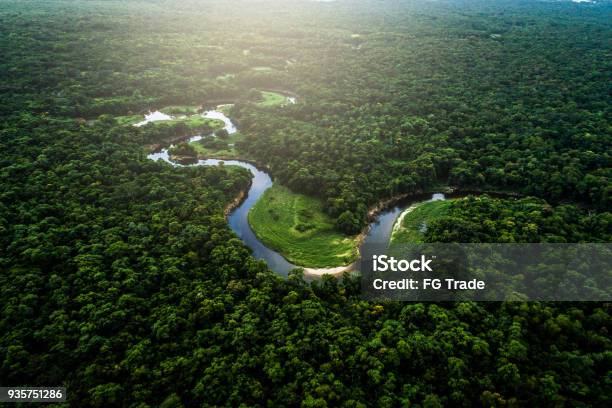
338, 270
412, 223
236, 202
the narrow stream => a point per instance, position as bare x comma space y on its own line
378, 232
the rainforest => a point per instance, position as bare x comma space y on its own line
186, 186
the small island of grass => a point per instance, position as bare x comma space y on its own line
296, 226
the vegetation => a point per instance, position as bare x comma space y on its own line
213, 143
128, 119
272, 99
222, 133
179, 110
417, 220
486, 219
224, 147
225, 108
296, 226
183, 150
180, 126
399, 125
192, 123
121, 280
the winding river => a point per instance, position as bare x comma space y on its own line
378, 232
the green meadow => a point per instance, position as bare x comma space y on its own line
192, 121
272, 99
179, 110
219, 148
415, 222
296, 226
196, 122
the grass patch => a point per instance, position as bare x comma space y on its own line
262, 69
414, 224
229, 152
129, 119
225, 77
296, 226
272, 99
196, 122
179, 110
193, 122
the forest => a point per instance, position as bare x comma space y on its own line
121, 280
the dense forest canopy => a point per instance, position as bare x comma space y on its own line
120, 279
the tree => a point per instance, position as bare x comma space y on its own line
348, 223
222, 133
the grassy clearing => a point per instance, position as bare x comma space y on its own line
227, 152
262, 69
179, 110
296, 226
193, 122
196, 122
129, 119
207, 153
415, 222
272, 99
225, 77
